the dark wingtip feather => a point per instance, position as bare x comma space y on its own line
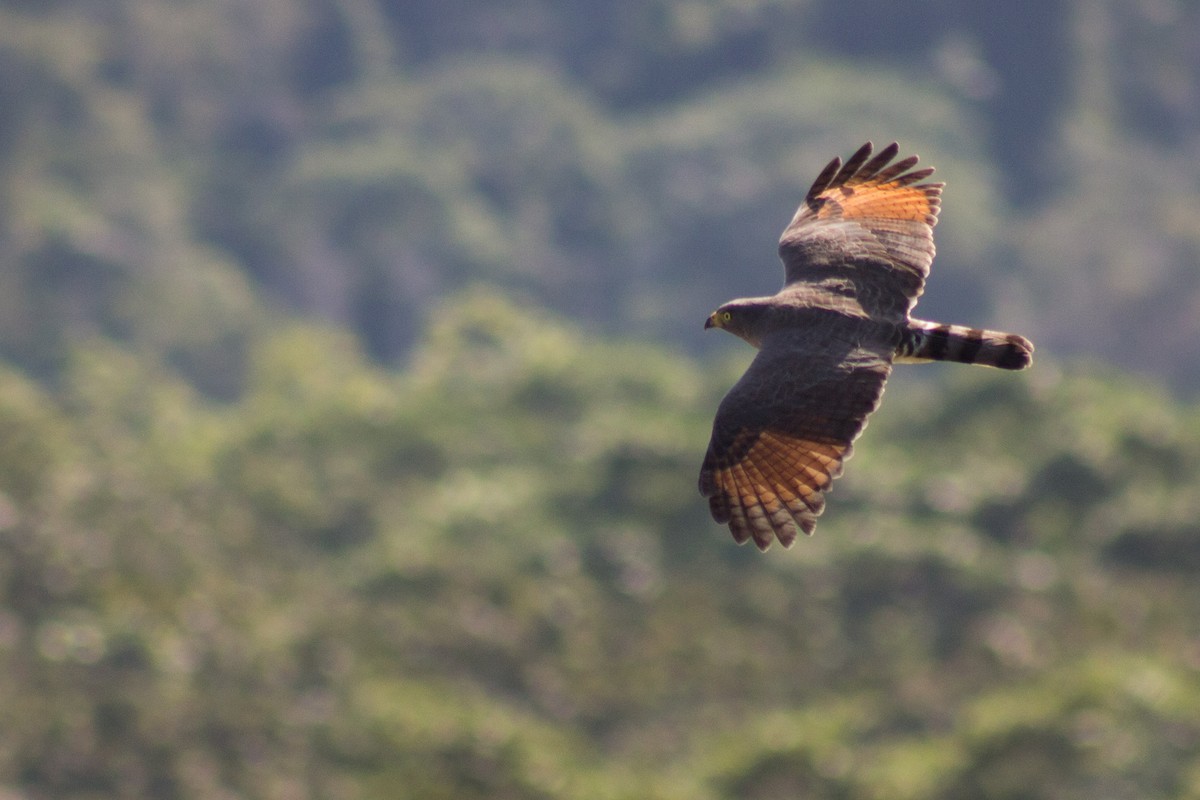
914, 177
763, 541
718, 506
851, 167
879, 161
823, 180
897, 169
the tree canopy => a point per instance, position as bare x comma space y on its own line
352, 396
490, 575
169, 169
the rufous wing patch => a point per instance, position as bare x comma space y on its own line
874, 189
886, 201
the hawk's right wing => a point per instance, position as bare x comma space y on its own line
783, 431
868, 223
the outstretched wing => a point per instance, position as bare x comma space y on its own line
870, 223
783, 431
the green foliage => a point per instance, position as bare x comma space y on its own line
169, 172
95, 242
490, 575
241, 557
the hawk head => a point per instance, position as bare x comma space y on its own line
746, 318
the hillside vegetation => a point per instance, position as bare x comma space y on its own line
491, 576
168, 168
353, 393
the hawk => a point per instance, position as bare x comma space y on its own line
855, 258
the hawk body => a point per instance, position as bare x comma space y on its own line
856, 255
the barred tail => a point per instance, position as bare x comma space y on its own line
933, 341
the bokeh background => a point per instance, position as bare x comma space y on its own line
353, 390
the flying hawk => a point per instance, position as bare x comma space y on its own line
855, 258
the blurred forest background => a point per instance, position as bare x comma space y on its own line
353, 390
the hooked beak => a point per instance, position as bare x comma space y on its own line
711, 322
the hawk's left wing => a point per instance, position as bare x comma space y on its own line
783, 431
868, 222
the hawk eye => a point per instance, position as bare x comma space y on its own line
726, 316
